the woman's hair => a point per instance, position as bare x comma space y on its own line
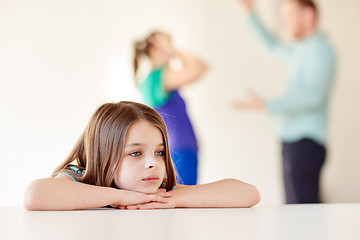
142, 48
100, 147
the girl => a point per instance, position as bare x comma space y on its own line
160, 91
122, 159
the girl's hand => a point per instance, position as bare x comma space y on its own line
152, 205
134, 198
168, 203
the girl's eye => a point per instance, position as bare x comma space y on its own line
160, 153
135, 154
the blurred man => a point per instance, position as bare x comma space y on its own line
302, 111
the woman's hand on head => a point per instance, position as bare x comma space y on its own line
136, 198
163, 41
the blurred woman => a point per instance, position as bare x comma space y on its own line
160, 91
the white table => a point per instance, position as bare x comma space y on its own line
287, 222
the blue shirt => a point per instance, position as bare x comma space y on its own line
172, 108
75, 171
302, 111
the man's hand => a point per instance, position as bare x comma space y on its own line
255, 102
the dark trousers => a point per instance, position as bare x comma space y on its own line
302, 162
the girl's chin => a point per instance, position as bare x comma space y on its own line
142, 189
145, 190
149, 191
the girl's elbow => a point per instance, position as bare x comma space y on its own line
32, 198
248, 195
30, 203
255, 196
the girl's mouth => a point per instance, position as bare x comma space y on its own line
151, 179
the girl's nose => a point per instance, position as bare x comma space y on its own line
150, 163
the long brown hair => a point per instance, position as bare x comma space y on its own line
99, 148
142, 48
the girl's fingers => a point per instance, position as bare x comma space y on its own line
146, 206
161, 199
132, 207
151, 205
155, 205
165, 194
162, 192
161, 196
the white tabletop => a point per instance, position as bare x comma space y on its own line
288, 222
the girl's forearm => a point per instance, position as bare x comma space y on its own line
61, 194
224, 193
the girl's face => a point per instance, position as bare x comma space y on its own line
142, 165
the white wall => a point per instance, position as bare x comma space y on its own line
59, 60
341, 176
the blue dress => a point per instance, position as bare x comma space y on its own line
182, 140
